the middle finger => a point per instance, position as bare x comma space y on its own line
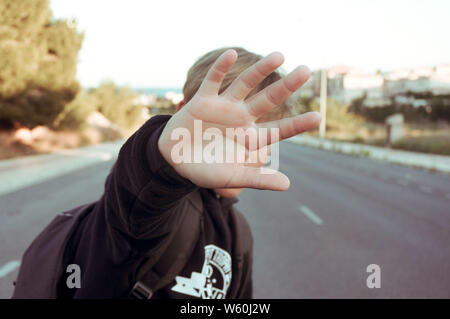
254, 75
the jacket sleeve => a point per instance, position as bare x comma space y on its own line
143, 192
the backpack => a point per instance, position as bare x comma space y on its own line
47, 251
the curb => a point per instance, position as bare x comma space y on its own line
17, 173
428, 161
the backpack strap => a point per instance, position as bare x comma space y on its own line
151, 277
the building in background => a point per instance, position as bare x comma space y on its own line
345, 84
425, 79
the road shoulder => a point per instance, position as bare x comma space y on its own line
426, 161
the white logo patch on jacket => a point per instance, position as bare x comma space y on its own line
214, 279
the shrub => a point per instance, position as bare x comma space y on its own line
117, 104
74, 114
35, 106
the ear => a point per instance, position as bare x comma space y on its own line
180, 105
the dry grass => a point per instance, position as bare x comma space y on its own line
433, 138
417, 138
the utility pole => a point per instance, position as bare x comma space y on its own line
323, 102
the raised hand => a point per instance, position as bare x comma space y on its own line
232, 110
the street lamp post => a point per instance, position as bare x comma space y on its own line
323, 102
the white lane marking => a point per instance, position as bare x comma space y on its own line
311, 215
425, 189
9, 267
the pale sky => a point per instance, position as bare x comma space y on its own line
153, 43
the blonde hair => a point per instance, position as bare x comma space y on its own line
245, 59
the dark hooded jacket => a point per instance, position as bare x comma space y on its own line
142, 205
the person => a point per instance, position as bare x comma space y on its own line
150, 197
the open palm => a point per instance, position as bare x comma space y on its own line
231, 110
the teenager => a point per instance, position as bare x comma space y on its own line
166, 228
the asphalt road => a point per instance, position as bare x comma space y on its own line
315, 240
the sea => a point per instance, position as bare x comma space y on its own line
159, 91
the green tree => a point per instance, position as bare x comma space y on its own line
117, 104
38, 58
